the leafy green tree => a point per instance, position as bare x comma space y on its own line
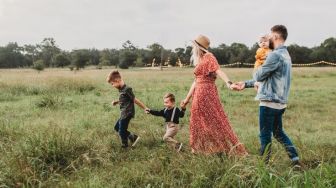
128, 55
80, 58
11, 56
187, 55
146, 56
126, 59
94, 57
173, 58
31, 53
299, 54
155, 52
48, 50
329, 46
251, 57
61, 60
109, 57
38, 65
221, 53
179, 52
238, 52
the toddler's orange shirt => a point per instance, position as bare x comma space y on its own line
260, 56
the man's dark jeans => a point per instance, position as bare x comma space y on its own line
270, 121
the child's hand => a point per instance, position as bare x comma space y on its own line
115, 103
183, 104
147, 110
238, 86
256, 85
234, 87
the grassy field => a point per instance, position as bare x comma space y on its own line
56, 130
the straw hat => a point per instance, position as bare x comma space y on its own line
202, 41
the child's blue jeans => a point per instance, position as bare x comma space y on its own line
270, 121
121, 127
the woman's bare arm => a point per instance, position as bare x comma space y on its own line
190, 93
224, 77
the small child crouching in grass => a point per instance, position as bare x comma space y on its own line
127, 111
172, 115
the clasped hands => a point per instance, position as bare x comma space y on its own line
237, 86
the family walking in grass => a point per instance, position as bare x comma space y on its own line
210, 128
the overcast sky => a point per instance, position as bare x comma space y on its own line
172, 23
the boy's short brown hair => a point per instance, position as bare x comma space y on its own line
170, 96
113, 76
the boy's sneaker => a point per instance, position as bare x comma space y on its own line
178, 147
134, 139
298, 166
124, 146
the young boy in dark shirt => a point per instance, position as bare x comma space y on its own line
127, 111
172, 115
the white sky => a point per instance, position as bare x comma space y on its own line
172, 23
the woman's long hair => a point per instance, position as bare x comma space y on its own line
196, 54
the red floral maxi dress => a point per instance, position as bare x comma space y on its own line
210, 130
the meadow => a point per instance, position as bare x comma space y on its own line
56, 130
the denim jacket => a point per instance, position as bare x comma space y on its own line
274, 77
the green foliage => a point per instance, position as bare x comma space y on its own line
49, 101
14, 56
45, 154
54, 86
94, 57
48, 49
61, 60
70, 142
326, 51
71, 67
80, 58
11, 56
127, 55
38, 65
109, 57
156, 52
139, 62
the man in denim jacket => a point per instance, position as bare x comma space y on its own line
274, 77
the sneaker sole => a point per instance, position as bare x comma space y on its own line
179, 149
136, 141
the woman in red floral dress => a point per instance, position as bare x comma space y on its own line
210, 130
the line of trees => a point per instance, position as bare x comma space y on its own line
48, 54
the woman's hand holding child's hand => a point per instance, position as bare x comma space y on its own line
184, 104
235, 87
147, 110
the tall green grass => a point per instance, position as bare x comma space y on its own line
56, 130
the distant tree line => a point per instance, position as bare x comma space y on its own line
48, 54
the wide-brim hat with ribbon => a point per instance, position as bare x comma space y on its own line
203, 42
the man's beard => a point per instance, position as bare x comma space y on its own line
271, 44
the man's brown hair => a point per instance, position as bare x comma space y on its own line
170, 96
113, 76
281, 30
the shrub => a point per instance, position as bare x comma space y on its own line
38, 65
48, 154
49, 101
